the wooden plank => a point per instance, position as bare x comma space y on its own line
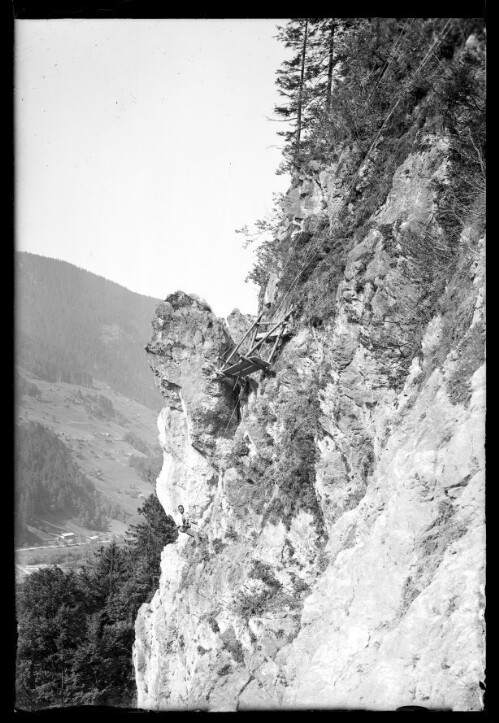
234, 368
259, 343
270, 336
242, 366
250, 370
253, 336
242, 372
244, 337
275, 344
256, 360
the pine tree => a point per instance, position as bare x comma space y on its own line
51, 626
306, 80
291, 78
147, 538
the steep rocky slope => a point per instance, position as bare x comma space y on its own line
341, 508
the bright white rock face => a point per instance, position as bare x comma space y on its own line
369, 591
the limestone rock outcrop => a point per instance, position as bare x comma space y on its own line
340, 562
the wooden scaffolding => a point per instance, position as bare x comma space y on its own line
238, 365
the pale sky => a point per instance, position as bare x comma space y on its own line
141, 145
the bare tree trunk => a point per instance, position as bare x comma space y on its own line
330, 67
300, 92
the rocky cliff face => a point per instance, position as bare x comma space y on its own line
340, 506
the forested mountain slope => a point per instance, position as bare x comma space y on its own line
73, 326
85, 458
50, 482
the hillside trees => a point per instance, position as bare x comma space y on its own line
147, 538
48, 481
462, 93
373, 63
51, 627
291, 77
148, 467
305, 81
76, 630
372, 91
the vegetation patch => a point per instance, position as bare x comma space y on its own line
49, 481
240, 448
300, 586
231, 534
212, 622
97, 405
288, 462
233, 645
456, 309
261, 601
374, 134
136, 442
315, 296
263, 571
432, 546
23, 386
76, 629
255, 604
218, 545
148, 467
293, 468
471, 356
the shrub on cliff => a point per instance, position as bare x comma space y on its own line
364, 60
294, 463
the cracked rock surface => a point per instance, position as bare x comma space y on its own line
341, 560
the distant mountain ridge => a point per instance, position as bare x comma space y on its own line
74, 326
